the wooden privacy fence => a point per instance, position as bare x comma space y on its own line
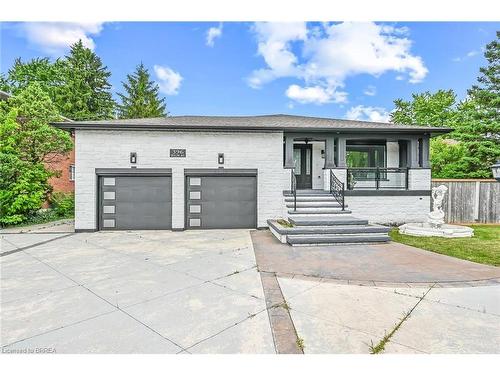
471, 200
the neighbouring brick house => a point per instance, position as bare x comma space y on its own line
65, 182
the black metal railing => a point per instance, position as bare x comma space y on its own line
377, 178
337, 189
294, 188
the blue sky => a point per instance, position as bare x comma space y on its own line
340, 70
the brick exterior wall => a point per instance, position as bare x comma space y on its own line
62, 163
389, 209
111, 149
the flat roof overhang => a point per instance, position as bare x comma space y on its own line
290, 129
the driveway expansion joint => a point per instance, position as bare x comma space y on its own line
33, 245
380, 347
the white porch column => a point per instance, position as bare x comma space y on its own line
392, 154
288, 151
413, 153
341, 152
426, 152
329, 152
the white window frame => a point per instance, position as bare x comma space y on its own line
72, 172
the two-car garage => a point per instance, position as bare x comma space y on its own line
137, 199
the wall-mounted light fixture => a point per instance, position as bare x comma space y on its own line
133, 157
495, 169
220, 158
322, 154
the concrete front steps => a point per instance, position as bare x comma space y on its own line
319, 220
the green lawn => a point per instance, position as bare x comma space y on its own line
484, 247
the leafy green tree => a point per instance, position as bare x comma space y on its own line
433, 109
447, 157
86, 92
27, 141
48, 75
141, 98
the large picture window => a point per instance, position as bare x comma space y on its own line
366, 156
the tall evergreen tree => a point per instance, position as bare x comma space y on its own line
487, 92
141, 98
480, 129
78, 84
86, 93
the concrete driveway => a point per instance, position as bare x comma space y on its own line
330, 317
201, 292
132, 292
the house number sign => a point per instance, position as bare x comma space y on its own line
177, 152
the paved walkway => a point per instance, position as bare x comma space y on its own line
347, 299
133, 292
391, 264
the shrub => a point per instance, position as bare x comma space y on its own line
23, 189
63, 204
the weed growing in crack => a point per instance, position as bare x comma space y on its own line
380, 347
300, 343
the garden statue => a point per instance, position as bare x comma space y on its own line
435, 225
436, 216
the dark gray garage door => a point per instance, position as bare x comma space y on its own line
135, 202
221, 202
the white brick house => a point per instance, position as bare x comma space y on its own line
215, 172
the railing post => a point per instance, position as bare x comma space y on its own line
377, 179
406, 178
293, 182
343, 197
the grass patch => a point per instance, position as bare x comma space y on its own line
284, 223
484, 247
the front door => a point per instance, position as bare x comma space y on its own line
302, 158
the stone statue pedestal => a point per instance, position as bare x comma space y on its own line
445, 230
435, 225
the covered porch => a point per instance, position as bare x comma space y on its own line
370, 162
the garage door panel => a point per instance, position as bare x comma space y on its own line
226, 202
140, 202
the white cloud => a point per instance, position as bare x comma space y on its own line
274, 44
466, 56
56, 37
169, 81
315, 94
212, 34
370, 91
330, 53
360, 112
